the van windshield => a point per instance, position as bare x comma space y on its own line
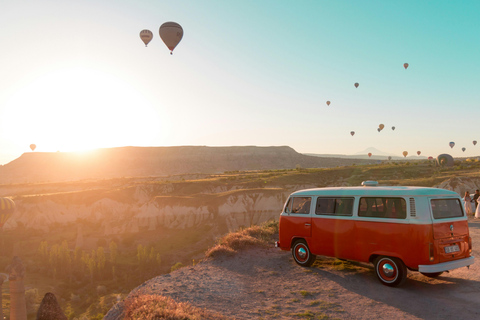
446, 208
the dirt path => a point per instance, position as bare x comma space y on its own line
267, 284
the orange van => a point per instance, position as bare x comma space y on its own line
395, 228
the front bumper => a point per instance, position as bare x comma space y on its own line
444, 266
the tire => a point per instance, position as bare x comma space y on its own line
390, 271
302, 255
432, 274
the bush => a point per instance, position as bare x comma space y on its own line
160, 307
254, 236
176, 266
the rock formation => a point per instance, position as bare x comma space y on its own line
16, 274
50, 309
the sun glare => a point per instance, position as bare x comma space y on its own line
80, 109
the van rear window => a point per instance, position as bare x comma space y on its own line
380, 207
334, 206
446, 208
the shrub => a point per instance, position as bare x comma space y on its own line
160, 307
176, 266
254, 236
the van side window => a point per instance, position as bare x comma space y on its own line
298, 205
446, 208
301, 204
380, 207
334, 206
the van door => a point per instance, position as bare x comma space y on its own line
296, 218
450, 229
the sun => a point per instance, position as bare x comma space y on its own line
77, 109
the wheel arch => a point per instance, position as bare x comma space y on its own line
294, 239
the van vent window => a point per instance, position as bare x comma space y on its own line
413, 210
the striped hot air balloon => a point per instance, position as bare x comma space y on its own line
7, 207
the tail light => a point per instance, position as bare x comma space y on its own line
469, 244
431, 252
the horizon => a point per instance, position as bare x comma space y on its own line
76, 76
376, 154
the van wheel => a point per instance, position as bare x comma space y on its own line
432, 274
302, 255
390, 271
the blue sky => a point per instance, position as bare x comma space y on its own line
75, 75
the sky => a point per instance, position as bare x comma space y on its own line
75, 75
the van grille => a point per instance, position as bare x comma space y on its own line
413, 210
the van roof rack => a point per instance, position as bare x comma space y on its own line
370, 183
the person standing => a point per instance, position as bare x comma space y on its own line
475, 198
477, 212
468, 203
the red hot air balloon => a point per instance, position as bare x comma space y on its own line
7, 207
430, 158
418, 153
328, 103
171, 34
369, 154
33, 147
356, 84
405, 65
405, 153
474, 142
352, 133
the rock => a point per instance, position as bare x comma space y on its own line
50, 309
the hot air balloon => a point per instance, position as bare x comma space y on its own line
474, 142
328, 103
146, 36
389, 158
381, 126
393, 128
352, 133
445, 160
7, 207
369, 154
405, 153
430, 158
405, 65
171, 34
378, 129
418, 153
451, 144
356, 84
32, 146
463, 149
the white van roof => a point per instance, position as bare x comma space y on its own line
377, 191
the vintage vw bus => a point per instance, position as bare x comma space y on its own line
395, 228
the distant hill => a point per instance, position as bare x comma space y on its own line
157, 161
376, 155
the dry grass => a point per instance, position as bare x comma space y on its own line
254, 236
160, 307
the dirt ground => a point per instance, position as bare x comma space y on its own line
267, 284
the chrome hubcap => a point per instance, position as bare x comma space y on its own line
388, 270
302, 253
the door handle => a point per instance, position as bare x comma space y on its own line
307, 224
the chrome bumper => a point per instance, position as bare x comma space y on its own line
444, 266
